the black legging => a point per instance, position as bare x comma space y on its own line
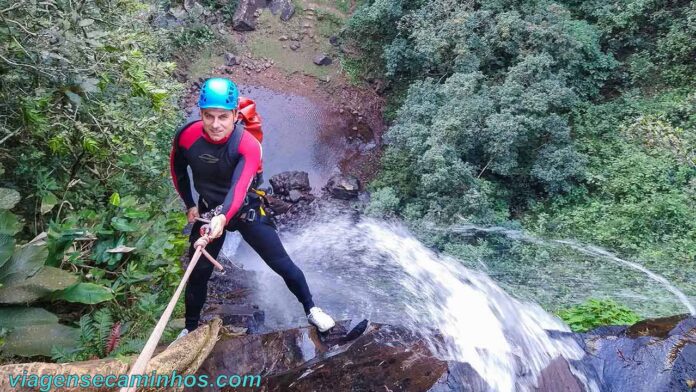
262, 236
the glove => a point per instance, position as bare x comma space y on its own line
217, 225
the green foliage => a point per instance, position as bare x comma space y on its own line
595, 312
129, 252
24, 277
142, 281
653, 38
487, 111
89, 103
8, 198
194, 36
18, 289
86, 97
85, 293
95, 330
641, 184
226, 8
383, 201
33, 331
367, 30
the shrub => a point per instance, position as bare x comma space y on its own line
88, 109
596, 312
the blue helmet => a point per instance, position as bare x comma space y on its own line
218, 93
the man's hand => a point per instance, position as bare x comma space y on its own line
217, 225
192, 214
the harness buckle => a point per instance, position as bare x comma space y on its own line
251, 215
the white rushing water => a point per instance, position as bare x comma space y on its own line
377, 270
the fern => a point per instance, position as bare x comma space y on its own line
64, 355
87, 330
102, 323
95, 337
129, 346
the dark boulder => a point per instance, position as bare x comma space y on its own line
284, 182
657, 327
231, 60
557, 377
322, 59
683, 327
244, 18
278, 205
163, 20
343, 187
283, 7
608, 330
683, 374
247, 316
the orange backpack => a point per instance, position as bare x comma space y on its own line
251, 119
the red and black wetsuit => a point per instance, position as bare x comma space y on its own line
222, 172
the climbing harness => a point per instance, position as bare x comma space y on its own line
249, 215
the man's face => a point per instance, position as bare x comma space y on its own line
218, 123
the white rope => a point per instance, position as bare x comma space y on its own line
144, 358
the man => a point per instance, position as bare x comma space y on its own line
224, 153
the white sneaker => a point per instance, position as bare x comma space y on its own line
321, 320
183, 333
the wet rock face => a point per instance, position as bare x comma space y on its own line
293, 203
652, 355
683, 374
278, 205
388, 356
558, 377
384, 356
246, 316
300, 360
